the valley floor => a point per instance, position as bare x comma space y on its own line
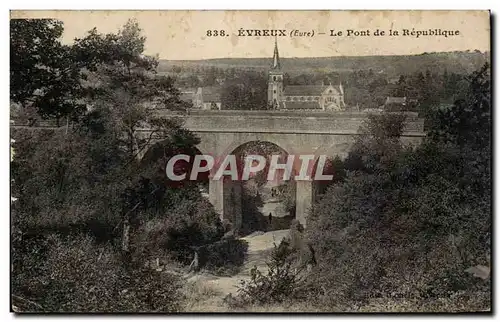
206, 292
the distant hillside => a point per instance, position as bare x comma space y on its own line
453, 62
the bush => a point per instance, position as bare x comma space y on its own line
406, 223
57, 175
224, 257
252, 218
385, 234
282, 282
189, 225
77, 275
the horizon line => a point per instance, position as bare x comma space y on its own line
340, 56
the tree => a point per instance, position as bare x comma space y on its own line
88, 180
247, 91
83, 192
425, 209
468, 121
402, 87
124, 82
42, 71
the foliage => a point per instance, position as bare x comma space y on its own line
225, 257
188, 225
86, 183
281, 282
248, 92
89, 174
56, 175
424, 209
468, 121
77, 275
333, 166
252, 217
43, 74
287, 192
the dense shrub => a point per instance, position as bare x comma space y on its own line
282, 281
224, 257
252, 217
407, 223
83, 189
189, 225
377, 235
56, 175
179, 237
85, 182
78, 275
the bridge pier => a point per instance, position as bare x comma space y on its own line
303, 200
232, 210
216, 196
226, 199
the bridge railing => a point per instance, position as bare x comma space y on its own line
337, 114
254, 119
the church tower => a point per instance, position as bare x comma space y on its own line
275, 81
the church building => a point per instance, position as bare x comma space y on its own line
301, 97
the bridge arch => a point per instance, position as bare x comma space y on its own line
157, 156
336, 149
222, 144
148, 150
257, 203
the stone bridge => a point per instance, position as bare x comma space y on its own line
304, 132
317, 133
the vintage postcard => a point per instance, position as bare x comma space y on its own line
243, 161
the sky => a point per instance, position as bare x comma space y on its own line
182, 35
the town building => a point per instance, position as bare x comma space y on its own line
301, 97
280, 96
203, 98
395, 104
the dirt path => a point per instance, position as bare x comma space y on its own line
212, 289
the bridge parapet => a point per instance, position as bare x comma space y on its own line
292, 122
298, 122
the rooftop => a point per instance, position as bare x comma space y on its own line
306, 90
301, 106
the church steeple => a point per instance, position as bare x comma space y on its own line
275, 80
276, 55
